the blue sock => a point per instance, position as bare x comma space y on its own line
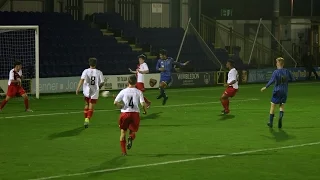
281, 115
271, 118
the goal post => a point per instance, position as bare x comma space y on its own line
20, 43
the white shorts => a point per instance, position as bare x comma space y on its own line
91, 93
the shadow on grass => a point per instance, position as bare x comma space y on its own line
69, 133
224, 117
279, 135
151, 116
113, 163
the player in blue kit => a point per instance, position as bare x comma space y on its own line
280, 78
165, 65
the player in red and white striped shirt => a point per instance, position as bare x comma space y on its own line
15, 88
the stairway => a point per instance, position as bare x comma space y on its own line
120, 40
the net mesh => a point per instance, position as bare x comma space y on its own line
17, 45
266, 48
193, 48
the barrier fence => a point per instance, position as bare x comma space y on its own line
179, 80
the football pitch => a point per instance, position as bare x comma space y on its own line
186, 139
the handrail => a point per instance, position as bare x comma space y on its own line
234, 33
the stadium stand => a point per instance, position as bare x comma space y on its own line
66, 44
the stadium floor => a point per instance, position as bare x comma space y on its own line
186, 139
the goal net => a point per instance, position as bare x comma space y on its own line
20, 43
194, 48
266, 48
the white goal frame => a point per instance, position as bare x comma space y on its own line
37, 63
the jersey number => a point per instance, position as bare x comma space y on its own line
93, 80
283, 79
131, 102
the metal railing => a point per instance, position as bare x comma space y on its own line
225, 37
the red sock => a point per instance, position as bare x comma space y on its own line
26, 103
4, 102
85, 112
89, 113
123, 146
227, 104
146, 100
224, 104
133, 135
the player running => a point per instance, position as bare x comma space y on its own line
15, 88
164, 65
128, 101
141, 70
280, 77
92, 80
232, 87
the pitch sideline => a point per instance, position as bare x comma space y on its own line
177, 161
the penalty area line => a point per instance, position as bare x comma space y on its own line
109, 110
177, 161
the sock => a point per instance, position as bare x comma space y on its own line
161, 91
164, 93
281, 115
85, 112
224, 104
89, 113
4, 102
146, 100
26, 103
133, 135
123, 146
227, 104
271, 118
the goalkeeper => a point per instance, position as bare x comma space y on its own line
165, 65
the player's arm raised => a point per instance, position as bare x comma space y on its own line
176, 63
271, 81
134, 72
118, 100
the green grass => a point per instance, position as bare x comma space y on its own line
51, 141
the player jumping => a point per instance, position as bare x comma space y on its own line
15, 88
141, 70
129, 117
232, 86
164, 65
92, 80
280, 77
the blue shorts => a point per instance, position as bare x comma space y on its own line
279, 98
166, 80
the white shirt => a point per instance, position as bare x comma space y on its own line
131, 97
11, 75
233, 75
92, 79
142, 67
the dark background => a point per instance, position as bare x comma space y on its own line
255, 9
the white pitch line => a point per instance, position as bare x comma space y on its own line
177, 161
108, 110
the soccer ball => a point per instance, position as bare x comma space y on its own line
105, 94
